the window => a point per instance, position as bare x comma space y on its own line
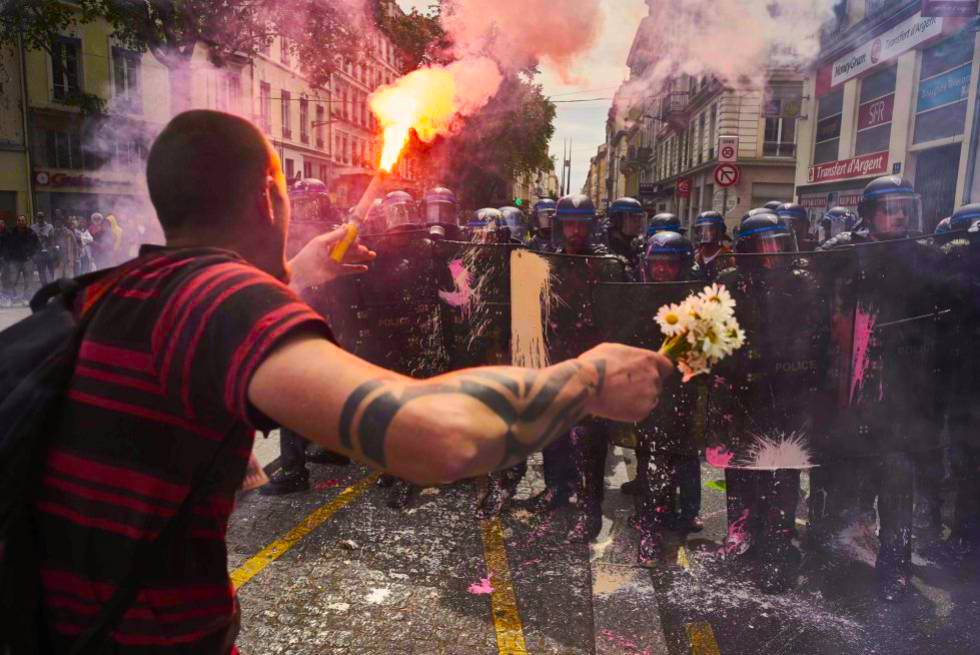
781, 108
345, 151
126, 80
319, 126
265, 106
64, 149
307, 169
338, 149
66, 70
343, 103
284, 50
829, 111
713, 126
701, 134
943, 89
874, 124
323, 172
287, 119
234, 91
304, 120
290, 169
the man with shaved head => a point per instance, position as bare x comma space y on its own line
194, 346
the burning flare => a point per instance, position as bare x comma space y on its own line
430, 101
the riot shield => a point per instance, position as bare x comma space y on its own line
390, 315
625, 313
571, 328
893, 313
474, 301
959, 339
770, 401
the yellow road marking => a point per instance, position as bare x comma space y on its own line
682, 560
702, 639
315, 519
503, 600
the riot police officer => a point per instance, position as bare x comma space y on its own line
440, 210
773, 206
374, 222
898, 424
767, 399
400, 212
834, 222
664, 221
798, 220
712, 253
627, 224
668, 466
542, 219
515, 222
486, 226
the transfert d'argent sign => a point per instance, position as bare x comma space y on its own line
875, 163
886, 46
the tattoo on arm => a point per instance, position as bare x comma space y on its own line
536, 407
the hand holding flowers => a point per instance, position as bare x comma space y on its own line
701, 331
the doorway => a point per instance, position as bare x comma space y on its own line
935, 179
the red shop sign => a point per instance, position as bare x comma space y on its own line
874, 164
877, 112
683, 187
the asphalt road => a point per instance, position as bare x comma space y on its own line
336, 571
9, 316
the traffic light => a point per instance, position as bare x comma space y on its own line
519, 202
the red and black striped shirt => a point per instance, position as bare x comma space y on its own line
160, 382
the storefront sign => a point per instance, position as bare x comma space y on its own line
944, 89
683, 187
877, 112
952, 8
58, 180
884, 47
874, 164
649, 190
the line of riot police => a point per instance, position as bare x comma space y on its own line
857, 366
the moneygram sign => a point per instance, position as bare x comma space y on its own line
874, 164
884, 47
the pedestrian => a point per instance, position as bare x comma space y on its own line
118, 254
102, 241
196, 345
20, 246
86, 264
65, 245
45, 259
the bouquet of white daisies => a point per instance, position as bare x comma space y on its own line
701, 331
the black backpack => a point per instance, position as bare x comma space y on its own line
37, 360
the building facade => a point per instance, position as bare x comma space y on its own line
893, 92
77, 120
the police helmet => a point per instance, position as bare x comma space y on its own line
543, 214
628, 216
664, 221
890, 207
709, 227
764, 233
576, 208
399, 210
668, 256
439, 206
514, 220
964, 218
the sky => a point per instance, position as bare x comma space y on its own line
598, 73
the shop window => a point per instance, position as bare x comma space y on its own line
829, 112
127, 88
287, 119
66, 69
874, 121
944, 86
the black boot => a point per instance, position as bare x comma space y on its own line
630, 488
323, 456
894, 565
498, 493
743, 515
779, 559
287, 482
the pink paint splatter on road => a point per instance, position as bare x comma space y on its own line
481, 588
864, 325
628, 645
719, 457
462, 296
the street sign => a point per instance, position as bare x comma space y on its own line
727, 149
727, 175
683, 187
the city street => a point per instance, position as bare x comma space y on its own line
11, 315
337, 571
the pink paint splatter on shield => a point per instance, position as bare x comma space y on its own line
326, 484
628, 645
737, 541
481, 588
719, 457
462, 296
864, 325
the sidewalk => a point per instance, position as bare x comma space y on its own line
10, 315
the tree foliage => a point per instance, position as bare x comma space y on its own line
418, 35
507, 139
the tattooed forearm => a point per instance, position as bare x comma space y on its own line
524, 409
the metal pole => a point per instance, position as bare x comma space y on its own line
27, 126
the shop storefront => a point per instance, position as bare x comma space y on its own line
83, 193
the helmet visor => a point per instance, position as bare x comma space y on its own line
708, 233
769, 243
634, 224
399, 215
664, 268
546, 218
440, 213
898, 216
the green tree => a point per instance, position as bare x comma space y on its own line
418, 35
507, 139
